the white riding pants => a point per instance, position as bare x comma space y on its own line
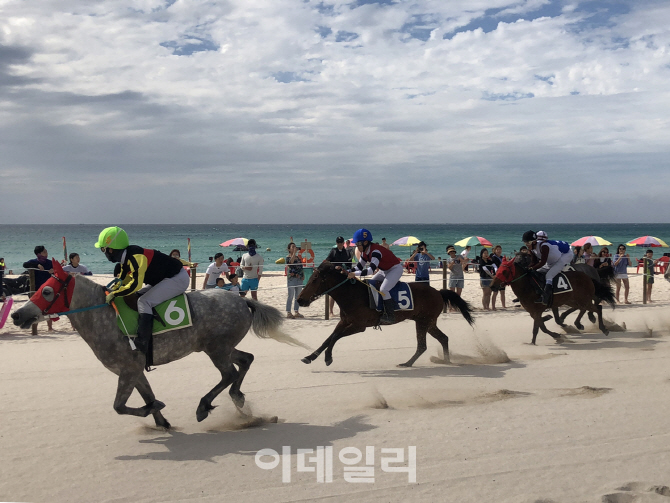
553, 269
388, 278
166, 289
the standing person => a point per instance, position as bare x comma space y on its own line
589, 256
620, 265
486, 274
295, 276
422, 259
649, 262
382, 264
385, 244
339, 256
252, 267
455, 265
2, 275
214, 270
44, 270
465, 254
177, 254
74, 267
497, 260
163, 277
603, 263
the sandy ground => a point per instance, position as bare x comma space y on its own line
586, 420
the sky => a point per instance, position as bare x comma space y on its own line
334, 111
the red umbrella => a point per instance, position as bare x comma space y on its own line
235, 242
648, 241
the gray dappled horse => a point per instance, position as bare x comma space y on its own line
220, 321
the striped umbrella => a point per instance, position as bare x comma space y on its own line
648, 242
474, 241
235, 242
406, 241
592, 240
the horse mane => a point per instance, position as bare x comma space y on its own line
87, 291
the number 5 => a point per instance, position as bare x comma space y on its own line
403, 300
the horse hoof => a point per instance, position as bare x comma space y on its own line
164, 424
306, 360
579, 326
606, 332
406, 364
328, 362
238, 400
203, 411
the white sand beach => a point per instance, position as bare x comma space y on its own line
587, 420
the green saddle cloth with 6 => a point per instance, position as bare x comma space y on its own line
174, 313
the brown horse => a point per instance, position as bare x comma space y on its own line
355, 315
585, 296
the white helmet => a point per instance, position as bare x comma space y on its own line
542, 236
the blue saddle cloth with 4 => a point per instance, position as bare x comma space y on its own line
400, 293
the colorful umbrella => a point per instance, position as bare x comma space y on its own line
406, 241
235, 242
474, 241
648, 241
592, 240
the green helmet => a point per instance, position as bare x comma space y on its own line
113, 237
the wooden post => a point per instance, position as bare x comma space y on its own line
327, 297
444, 281
31, 273
194, 273
644, 282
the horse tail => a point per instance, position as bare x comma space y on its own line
266, 322
604, 292
454, 300
606, 274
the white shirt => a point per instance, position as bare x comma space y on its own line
80, 269
215, 271
256, 262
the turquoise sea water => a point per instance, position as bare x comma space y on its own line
18, 241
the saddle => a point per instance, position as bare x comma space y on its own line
401, 294
172, 314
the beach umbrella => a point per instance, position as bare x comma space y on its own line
406, 241
648, 242
592, 240
235, 242
474, 241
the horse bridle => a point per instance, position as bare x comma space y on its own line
63, 290
315, 297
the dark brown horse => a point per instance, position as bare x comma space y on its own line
355, 315
585, 296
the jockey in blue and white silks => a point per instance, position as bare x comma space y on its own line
381, 264
552, 258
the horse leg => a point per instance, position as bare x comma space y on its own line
243, 361
442, 338
350, 330
127, 382
310, 358
592, 317
578, 321
229, 374
601, 325
144, 389
561, 320
536, 327
421, 346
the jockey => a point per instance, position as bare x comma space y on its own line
383, 264
164, 276
552, 256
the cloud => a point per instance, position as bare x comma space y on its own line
268, 111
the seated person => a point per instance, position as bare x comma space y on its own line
74, 267
233, 286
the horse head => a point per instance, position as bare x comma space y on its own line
323, 278
54, 296
504, 275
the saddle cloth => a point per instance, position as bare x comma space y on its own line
174, 313
400, 293
561, 283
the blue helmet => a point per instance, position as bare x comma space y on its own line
362, 235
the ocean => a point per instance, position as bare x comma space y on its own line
18, 241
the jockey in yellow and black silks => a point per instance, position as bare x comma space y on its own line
156, 276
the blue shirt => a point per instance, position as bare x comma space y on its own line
621, 267
422, 266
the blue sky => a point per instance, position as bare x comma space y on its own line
264, 111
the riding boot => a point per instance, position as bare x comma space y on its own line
144, 327
547, 294
388, 316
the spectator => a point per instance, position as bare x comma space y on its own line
486, 273
385, 244
233, 286
214, 270
439, 262
603, 263
455, 266
176, 254
295, 277
340, 256
578, 256
252, 267
620, 265
74, 267
649, 263
465, 254
497, 260
589, 256
44, 271
422, 259
2, 274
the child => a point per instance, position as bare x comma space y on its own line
234, 285
74, 267
649, 263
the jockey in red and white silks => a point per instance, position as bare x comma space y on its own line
378, 262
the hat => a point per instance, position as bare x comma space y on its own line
451, 248
339, 239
